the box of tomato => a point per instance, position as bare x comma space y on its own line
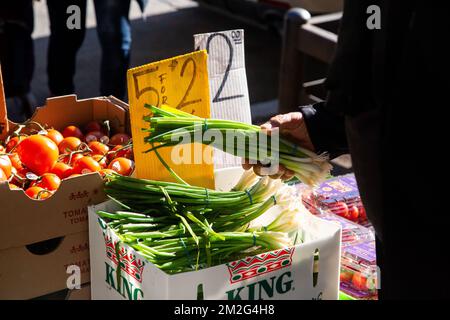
50, 171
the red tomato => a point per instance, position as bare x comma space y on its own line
362, 213
38, 153
359, 281
73, 131
69, 144
120, 151
119, 138
73, 159
86, 165
340, 208
3, 176
96, 136
15, 161
48, 181
54, 135
122, 166
353, 213
62, 170
13, 142
346, 276
93, 126
98, 148
101, 160
5, 165
38, 193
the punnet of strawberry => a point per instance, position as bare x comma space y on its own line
36, 158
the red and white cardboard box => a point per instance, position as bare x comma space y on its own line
280, 274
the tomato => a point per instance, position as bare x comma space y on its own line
73, 131
2, 149
48, 181
69, 144
346, 276
37, 193
54, 135
3, 176
73, 159
86, 165
104, 172
13, 142
122, 166
15, 161
62, 170
5, 165
120, 151
96, 136
93, 126
101, 160
38, 153
340, 208
98, 148
353, 213
119, 138
359, 281
362, 213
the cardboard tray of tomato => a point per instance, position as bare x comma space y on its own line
40, 238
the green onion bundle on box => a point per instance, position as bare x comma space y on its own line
169, 127
180, 228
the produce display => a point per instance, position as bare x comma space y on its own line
181, 228
359, 271
168, 125
339, 195
36, 159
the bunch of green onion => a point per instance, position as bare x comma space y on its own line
169, 127
182, 228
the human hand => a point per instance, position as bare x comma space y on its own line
292, 127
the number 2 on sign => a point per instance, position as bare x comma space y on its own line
217, 97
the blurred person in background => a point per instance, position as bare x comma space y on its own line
386, 106
17, 57
114, 34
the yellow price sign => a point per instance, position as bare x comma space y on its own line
180, 82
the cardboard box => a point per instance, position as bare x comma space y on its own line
289, 273
24, 221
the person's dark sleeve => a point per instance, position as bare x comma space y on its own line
326, 129
347, 84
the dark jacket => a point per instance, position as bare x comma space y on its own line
386, 106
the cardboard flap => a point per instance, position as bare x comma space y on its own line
80, 112
4, 125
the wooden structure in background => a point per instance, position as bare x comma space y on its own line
305, 37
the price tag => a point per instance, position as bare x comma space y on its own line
228, 82
3, 111
180, 82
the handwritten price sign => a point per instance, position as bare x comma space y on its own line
228, 82
3, 114
180, 82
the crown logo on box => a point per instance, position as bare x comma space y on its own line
257, 265
128, 262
